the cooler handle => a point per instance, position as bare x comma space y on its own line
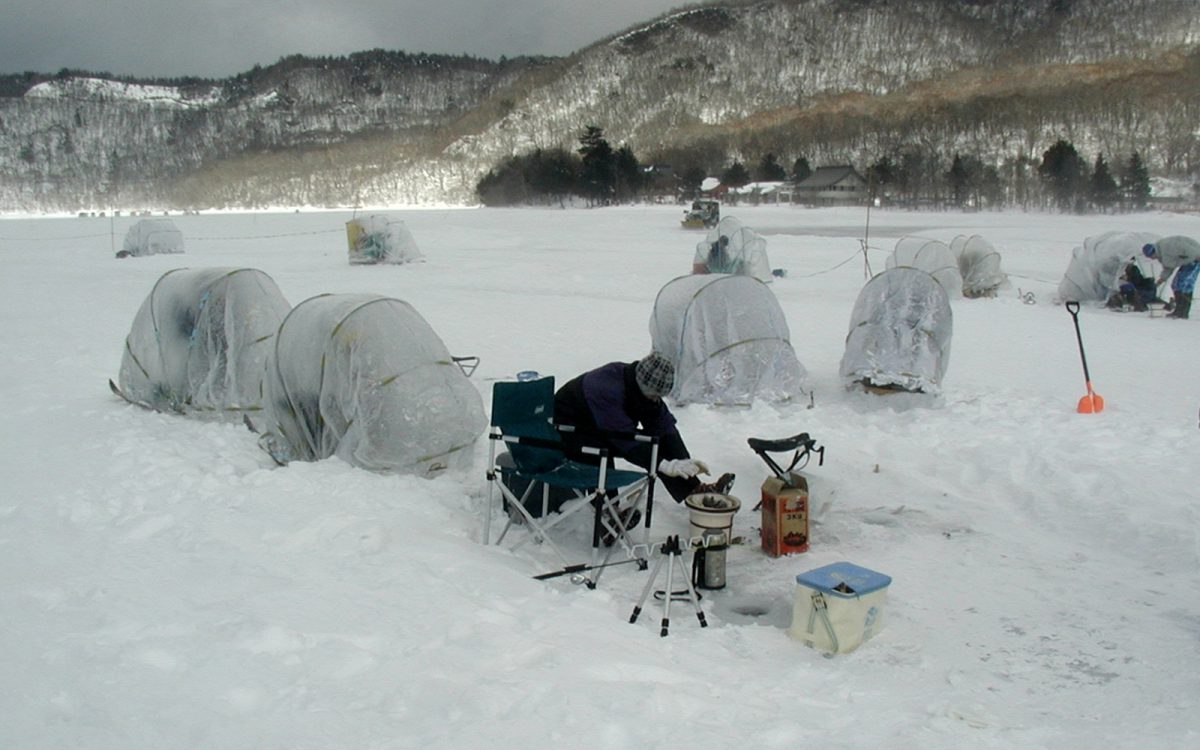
821, 609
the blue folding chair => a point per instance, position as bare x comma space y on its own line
536, 459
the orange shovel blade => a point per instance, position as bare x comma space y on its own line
1091, 404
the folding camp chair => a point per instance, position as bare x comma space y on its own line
536, 459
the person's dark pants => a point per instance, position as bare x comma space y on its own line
669, 447
1183, 305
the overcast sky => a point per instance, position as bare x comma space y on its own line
218, 38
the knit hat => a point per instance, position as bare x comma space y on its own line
1149, 250
655, 374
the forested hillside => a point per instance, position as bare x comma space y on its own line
833, 81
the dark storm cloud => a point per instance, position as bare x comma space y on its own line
217, 38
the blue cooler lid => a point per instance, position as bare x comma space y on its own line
844, 579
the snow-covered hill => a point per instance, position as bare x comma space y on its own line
831, 80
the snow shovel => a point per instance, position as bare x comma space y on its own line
1092, 403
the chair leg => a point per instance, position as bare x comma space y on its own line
535, 529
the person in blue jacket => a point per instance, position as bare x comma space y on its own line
628, 396
1181, 255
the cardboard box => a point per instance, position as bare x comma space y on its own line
838, 607
785, 515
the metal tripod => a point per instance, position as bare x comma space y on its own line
670, 553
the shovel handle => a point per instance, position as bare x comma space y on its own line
1073, 308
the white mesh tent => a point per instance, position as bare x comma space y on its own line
931, 256
199, 342
900, 333
1095, 268
151, 237
728, 339
732, 247
979, 264
365, 378
380, 239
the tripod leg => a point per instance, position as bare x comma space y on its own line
692, 595
637, 609
666, 620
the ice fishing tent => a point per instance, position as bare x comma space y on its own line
732, 247
979, 264
1095, 268
931, 256
200, 340
365, 378
379, 239
728, 339
900, 332
151, 237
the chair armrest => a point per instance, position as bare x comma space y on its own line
553, 445
637, 436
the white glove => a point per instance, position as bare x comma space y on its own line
684, 468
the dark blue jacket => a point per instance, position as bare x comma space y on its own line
608, 398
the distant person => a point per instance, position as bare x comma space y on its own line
625, 397
1177, 253
717, 259
1183, 286
1136, 291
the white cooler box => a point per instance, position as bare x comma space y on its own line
838, 607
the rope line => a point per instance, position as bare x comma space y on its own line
856, 254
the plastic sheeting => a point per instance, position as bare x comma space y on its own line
743, 253
728, 339
931, 256
1095, 269
200, 340
379, 239
979, 265
151, 237
365, 378
900, 333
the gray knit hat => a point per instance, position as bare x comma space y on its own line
655, 374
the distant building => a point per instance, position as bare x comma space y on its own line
757, 193
832, 186
662, 184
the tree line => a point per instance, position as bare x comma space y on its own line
910, 176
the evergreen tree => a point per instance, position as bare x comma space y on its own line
880, 176
769, 169
1135, 183
991, 187
735, 175
800, 170
598, 171
960, 181
505, 187
631, 180
1064, 172
691, 179
912, 175
966, 180
1103, 188
552, 175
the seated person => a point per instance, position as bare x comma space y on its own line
1137, 290
628, 396
717, 259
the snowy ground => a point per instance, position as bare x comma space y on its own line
163, 585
